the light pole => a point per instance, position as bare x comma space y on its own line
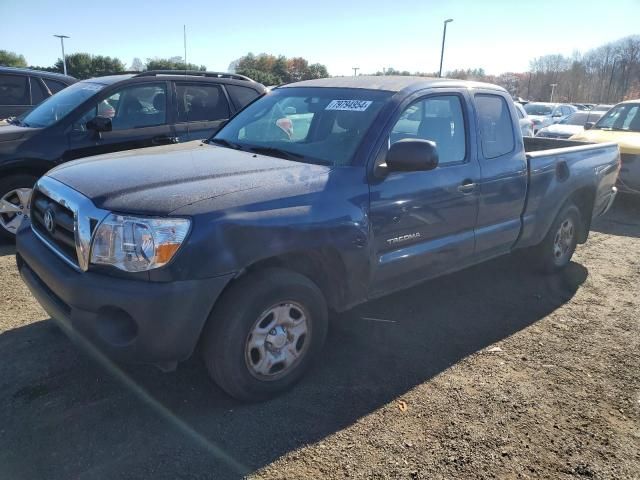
64, 60
553, 87
355, 71
444, 35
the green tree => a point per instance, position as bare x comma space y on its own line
271, 70
11, 59
264, 78
83, 65
172, 63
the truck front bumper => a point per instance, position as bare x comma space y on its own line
129, 320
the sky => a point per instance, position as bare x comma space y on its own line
497, 35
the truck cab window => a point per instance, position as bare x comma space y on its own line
496, 128
439, 119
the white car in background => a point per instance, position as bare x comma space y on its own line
544, 114
526, 124
571, 125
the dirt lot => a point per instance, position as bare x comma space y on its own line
410, 386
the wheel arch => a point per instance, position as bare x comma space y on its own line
324, 266
583, 198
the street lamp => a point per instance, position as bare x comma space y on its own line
64, 60
553, 87
355, 71
444, 35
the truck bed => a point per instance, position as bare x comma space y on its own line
559, 166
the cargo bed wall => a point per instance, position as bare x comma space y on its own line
536, 144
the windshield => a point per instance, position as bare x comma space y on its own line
538, 109
624, 117
578, 118
314, 125
59, 105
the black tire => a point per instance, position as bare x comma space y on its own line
9, 184
548, 256
236, 314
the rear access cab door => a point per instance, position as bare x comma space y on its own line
504, 174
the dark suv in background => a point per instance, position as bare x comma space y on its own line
109, 114
22, 88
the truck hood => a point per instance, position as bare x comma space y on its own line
160, 180
10, 133
629, 142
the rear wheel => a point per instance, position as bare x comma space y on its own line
15, 192
263, 333
558, 246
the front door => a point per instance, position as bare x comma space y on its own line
423, 222
139, 119
200, 110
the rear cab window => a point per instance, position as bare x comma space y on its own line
496, 126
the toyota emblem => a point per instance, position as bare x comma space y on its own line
48, 220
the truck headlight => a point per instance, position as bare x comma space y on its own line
136, 244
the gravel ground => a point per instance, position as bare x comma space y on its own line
493, 372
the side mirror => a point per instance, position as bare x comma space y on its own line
99, 124
411, 155
557, 115
589, 125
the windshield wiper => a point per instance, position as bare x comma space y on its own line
276, 152
224, 143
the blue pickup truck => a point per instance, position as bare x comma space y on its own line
321, 195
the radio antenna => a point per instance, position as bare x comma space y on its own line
184, 41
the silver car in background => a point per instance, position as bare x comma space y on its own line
571, 125
544, 114
526, 124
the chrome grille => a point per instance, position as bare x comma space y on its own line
64, 220
60, 231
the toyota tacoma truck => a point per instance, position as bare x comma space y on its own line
321, 195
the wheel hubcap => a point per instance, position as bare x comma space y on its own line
14, 206
277, 341
563, 240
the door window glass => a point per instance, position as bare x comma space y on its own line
496, 127
14, 90
38, 93
54, 86
242, 96
136, 107
201, 103
438, 119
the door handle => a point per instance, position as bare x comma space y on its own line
163, 140
467, 187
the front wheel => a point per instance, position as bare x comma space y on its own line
558, 246
263, 333
15, 191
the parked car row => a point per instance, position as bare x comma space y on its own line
319, 195
22, 88
110, 114
621, 125
570, 125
